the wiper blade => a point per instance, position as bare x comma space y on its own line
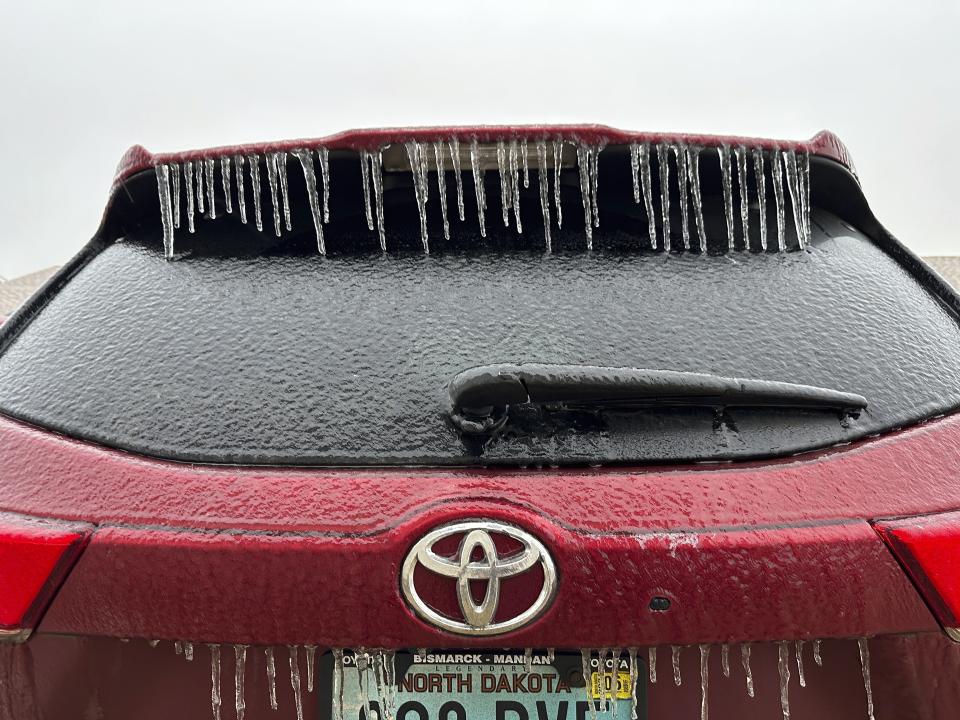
481, 395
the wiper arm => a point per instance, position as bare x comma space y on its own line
481, 395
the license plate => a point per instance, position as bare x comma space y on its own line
482, 685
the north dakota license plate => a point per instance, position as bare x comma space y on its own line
482, 685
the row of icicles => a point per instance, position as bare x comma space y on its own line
376, 671
789, 177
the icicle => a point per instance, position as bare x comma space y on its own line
175, 200
615, 682
515, 189
239, 678
378, 673
503, 167
271, 677
741, 153
376, 172
310, 180
635, 171
557, 161
337, 690
390, 671
415, 154
865, 670
324, 156
777, 172
526, 163
704, 680
254, 162
816, 653
528, 660
800, 675
455, 157
442, 185
551, 655
585, 164
225, 173
727, 176
725, 659
652, 664
311, 654
153, 643
274, 198
188, 192
747, 671
804, 168
188, 650
477, 172
166, 209
544, 179
201, 193
680, 153
790, 165
284, 187
215, 680
362, 660
595, 182
675, 657
663, 161
588, 682
210, 172
295, 679
365, 179
602, 677
646, 187
761, 179
241, 190
178, 647
783, 664
634, 677
693, 168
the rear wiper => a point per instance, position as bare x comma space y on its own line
480, 396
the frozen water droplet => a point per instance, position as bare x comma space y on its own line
215, 680
663, 161
479, 191
725, 659
210, 180
201, 193
693, 169
704, 680
783, 665
295, 679
241, 189
865, 670
675, 657
790, 166
741, 153
225, 173
337, 690
239, 678
543, 178
588, 682
652, 664
310, 181
503, 168
526, 163
323, 155
800, 675
188, 650
254, 163
274, 196
557, 161
727, 178
166, 208
175, 200
442, 185
776, 169
761, 179
646, 188
418, 166
817, 658
680, 154
634, 677
455, 157
311, 655
515, 187
365, 179
188, 192
747, 670
271, 673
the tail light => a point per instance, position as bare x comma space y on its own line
928, 547
35, 557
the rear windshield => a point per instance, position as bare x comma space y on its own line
290, 358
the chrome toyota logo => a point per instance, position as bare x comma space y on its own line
462, 566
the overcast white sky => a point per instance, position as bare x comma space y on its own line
81, 81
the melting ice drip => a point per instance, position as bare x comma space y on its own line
785, 171
377, 678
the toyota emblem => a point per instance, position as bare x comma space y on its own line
466, 564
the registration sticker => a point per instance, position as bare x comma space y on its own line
482, 685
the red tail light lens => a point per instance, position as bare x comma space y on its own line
929, 549
35, 557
